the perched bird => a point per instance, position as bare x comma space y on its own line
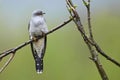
37, 27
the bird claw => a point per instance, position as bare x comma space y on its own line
34, 38
40, 36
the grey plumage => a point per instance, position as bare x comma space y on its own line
37, 27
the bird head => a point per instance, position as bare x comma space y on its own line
38, 13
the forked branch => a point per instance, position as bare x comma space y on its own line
89, 40
13, 50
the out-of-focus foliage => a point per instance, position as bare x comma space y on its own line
66, 55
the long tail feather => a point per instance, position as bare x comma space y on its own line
39, 65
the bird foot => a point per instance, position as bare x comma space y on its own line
34, 38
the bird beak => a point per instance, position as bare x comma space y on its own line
43, 13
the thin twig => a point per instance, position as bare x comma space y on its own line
7, 62
13, 50
105, 55
89, 20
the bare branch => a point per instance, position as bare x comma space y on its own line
92, 39
91, 43
89, 20
97, 62
7, 62
105, 55
13, 50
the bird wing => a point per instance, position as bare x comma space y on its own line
44, 48
31, 44
33, 51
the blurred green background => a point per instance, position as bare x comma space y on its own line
66, 55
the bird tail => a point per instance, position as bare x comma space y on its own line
39, 65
